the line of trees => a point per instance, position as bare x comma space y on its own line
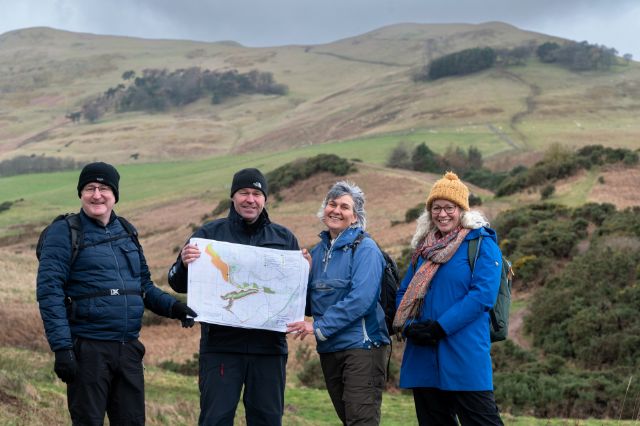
157, 90
578, 56
26, 164
575, 56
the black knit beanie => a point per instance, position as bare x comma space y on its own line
100, 173
249, 178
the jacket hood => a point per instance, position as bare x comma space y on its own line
346, 237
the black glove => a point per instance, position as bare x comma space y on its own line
66, 366
181, 311
426, 333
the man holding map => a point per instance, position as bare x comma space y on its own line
233, 357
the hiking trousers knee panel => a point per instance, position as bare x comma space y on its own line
222, 377
438, 407
110, 379
355, 380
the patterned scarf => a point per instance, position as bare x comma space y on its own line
435, 251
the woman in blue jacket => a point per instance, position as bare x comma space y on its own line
343, 295
443, 312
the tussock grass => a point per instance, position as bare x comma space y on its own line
31, 394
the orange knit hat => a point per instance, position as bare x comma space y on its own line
449, 188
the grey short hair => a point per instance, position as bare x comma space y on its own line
347, 188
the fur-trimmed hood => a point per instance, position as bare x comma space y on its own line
471, 219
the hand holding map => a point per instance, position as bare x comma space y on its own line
246, 286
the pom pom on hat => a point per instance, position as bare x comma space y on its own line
451, 188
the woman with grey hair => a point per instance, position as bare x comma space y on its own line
343, 297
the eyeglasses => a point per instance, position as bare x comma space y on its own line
102, 189
447, 209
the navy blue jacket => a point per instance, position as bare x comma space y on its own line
114, 265
233, 229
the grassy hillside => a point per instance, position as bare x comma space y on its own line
354, 88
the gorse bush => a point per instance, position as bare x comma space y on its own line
588, 312
582, 318
301, 169
560, 162
187, 368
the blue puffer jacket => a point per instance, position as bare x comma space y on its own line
117, 264
344, 291
460, 303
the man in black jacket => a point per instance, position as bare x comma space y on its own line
232, 357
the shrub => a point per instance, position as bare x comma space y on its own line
586, 312
547, 191
5, 205
311, 374
301, 169
474, 200
188, 368
399, 157
414, 213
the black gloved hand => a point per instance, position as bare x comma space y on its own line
182, 312
66, 365
426, 333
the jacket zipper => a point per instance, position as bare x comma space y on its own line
126, 301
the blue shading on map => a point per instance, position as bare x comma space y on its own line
246, 286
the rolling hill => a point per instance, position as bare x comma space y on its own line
355, 88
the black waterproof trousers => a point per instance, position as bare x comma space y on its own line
222, 377
110, 379
435, 407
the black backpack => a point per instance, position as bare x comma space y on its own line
388, 286
76, 234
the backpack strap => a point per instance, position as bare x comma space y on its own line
356, 242
474, 252
131, 231
77, 236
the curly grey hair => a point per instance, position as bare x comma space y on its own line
347, 188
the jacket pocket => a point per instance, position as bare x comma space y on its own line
327, 293
133, 259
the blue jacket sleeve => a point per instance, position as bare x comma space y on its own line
485, 283
363, 295
155, 299
53, 273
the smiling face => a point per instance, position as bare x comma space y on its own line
249, 203
339, 215
445, 215
97, 201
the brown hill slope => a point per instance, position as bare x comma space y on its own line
352, 88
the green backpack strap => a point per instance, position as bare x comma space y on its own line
474, 251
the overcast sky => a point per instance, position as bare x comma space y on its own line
613, 23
